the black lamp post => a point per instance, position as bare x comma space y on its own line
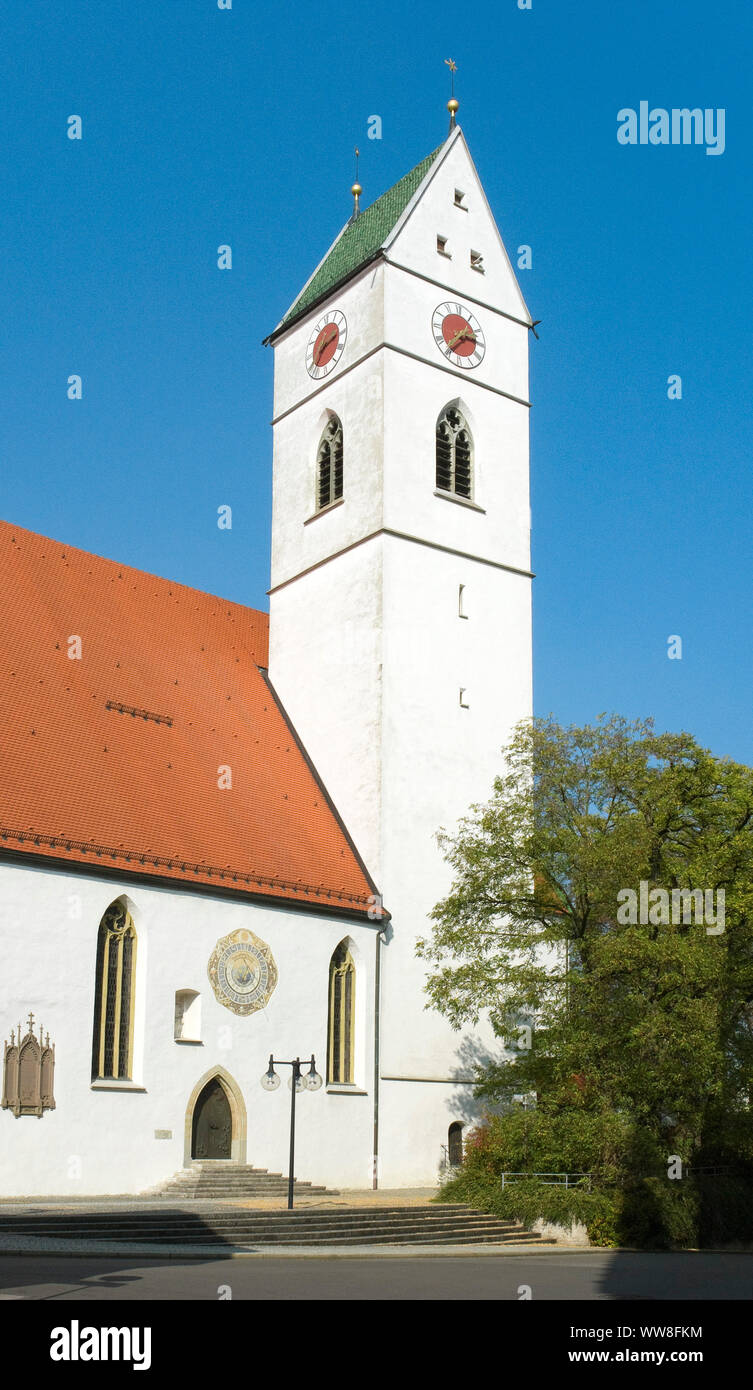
310, 1082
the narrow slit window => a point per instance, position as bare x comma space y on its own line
459, 196
461, 601
477, 262
442, 247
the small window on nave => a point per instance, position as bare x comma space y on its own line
329, 465
114, 998
454, 453
341, 1029
187, 1016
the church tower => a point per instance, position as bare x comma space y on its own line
400, 598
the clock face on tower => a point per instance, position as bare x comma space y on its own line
326, 344
458, 335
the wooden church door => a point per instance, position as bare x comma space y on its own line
455, 1144
212, 1123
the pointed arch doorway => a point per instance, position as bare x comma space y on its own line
215, 1128
212, 1127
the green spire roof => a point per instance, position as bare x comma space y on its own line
361, 239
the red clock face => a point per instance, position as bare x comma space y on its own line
325, 346
458, 335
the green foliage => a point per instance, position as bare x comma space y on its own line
536, 1141
650, 1213
640, 1040
529, 1201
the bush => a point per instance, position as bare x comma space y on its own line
531, 1200
630, 1200
537, 1141
696, 1212
658, 1213
726, 1209
648, 1213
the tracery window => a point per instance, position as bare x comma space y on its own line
329, 465
112, 1043
454, 453
342, 1001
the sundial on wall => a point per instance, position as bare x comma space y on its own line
243, 972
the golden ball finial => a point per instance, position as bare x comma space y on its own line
452, 105
356, 190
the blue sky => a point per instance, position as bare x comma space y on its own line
204, 127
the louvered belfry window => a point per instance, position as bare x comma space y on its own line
342, 982
329, 465
454, 453
112, 1044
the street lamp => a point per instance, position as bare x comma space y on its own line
311, 1081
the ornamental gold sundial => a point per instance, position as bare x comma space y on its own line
243, 972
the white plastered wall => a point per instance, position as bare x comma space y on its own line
100, 1141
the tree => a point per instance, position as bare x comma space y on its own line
647, 1019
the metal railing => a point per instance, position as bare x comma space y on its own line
446, 1162
550, 1179
583, 1180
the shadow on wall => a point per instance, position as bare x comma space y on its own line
471, 1056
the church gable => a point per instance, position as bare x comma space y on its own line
141, 734
448, 233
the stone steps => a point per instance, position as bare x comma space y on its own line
243, 1221
226, 1181
417, 1225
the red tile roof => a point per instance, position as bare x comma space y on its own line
114, 759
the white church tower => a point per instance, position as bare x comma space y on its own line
400, 598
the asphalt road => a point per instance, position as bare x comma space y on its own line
600, 1275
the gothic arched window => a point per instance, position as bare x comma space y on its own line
454, 453
342, 1011
112, 1044
329, 465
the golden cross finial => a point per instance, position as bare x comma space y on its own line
356, 190
452, 104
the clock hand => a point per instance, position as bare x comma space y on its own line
325, 341
460, 335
